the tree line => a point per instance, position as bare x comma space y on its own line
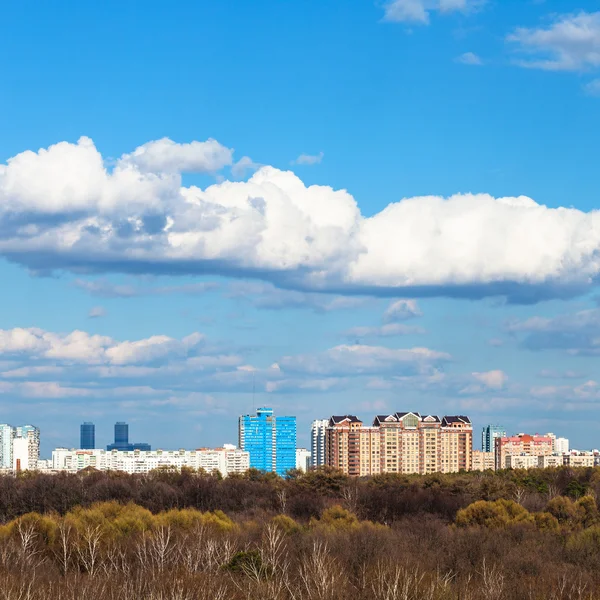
317, 536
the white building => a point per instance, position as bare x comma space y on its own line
318, 430
7, 433
579, 459
302, 459
551, 460
226, 460
521, 461
25, 448
561, 445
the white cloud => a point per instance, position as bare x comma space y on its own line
309, 159
97, 312
577, 333
570, 43
592, 88
469, 58
389, 330
167, 156
62, 209
418, 11
360, 359
83, 348
492, 379
402, 310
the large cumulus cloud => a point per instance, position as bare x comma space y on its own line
63, 208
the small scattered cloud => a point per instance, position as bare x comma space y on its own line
309, 159
243, 166
469, 58
592, 88
492, 379
419, 11
170, 157
402, 310
496, 342
570, 43
97, 312
556, 374
577, 333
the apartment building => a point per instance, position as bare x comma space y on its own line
318, 430
521, 444
579, 459
482, 461
403, 442
226, 460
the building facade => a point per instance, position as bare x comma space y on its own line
482, 461
87, 436
302, 459
122, 440
26, 448
269, 440
488, 436
318, 431
521, 444
7, 434
226, 460
403, 442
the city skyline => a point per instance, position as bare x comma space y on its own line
395, 208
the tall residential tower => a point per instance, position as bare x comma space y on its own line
270, 441
317, 442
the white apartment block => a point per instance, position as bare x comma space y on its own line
303, 459
551, 460
19, 447
318, 431
226, 460
579, 459
521, 461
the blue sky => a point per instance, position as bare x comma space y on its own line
350, 206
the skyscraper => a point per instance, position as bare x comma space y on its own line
121, 434
122, 440
26, 448
270, 440
489, 434
7, 434
317, 442
87, 438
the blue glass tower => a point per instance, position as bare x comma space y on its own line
87, 437
270, 441
489, 434
285, 444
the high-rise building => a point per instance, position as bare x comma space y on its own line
26, 448
7, 434
121, 434
489, 434
270, 441
87, 436
521, 445
560, 445
122, 440
404, 442
317, 442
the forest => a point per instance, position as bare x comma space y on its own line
312, 536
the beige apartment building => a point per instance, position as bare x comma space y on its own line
399, 443
521, 445
482, 461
